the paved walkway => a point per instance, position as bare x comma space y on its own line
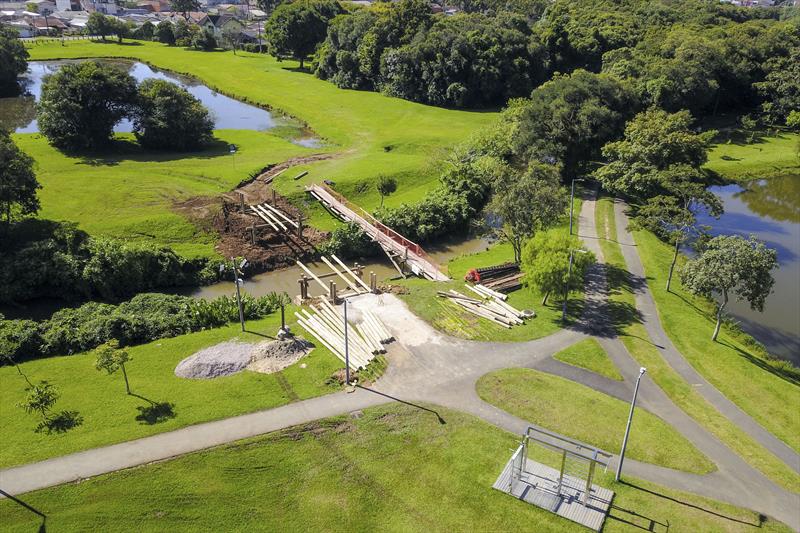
433, 368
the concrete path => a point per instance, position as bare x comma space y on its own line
436, 369
646, 305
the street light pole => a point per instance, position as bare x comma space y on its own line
642, 370
236, 281
572, 203
346, 348
566, 283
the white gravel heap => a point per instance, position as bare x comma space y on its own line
230, 357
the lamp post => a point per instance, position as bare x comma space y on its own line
572, 202
642, 370
346, 348
238, 281
566, 283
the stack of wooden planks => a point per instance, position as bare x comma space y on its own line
488, 305
364, 340
274, 217
506, 277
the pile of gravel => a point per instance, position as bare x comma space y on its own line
221, 359
230, 357
274, 356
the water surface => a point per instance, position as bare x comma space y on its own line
19, 114
770, 210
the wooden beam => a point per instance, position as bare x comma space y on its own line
280, 214
359, 280
327, 290
349, 283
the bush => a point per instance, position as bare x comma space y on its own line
144, 318
56, 260
168, 117
349, 242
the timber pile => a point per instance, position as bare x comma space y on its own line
365, 339
488, 305
273, 216
505, 278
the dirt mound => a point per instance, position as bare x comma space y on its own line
222, 359
274, 356
230, 357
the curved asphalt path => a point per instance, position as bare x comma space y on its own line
433, 368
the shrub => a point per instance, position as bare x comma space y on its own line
144, 318
349, 241
168, 117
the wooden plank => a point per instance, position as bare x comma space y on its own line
272, 217
280, 213
313, 276
358, 280
267, 220
347, 281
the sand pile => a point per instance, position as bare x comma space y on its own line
273, 356
230, 357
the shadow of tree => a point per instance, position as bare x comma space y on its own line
785, 373
155, 413
60, 423
123, 149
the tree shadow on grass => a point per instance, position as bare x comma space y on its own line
761, 518
60, 423
123, 149
155, 413
784, 373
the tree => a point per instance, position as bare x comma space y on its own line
232, 37
110, 357
182, 31
164, 33
81, 104
545, 262
569, 118
386, 186
184, 7
781, 87
99, 24
204, 40
13, 60
18, 182
168, 117
145, 32
268, 6
295, 29
40, 399
527, 203
731, 264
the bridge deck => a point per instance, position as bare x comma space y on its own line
388, 239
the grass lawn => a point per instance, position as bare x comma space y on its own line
453, 320
129, 192
109, 415
393, 469
638, 343
765, 157
580, 412
373, 134
737, 369
590, 355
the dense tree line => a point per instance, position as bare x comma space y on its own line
82, 102
144, 318
56, 260
703, 55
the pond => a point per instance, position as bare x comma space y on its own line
19, 114
770, 210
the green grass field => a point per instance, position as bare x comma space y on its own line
765, 157
638, 343
590, 355
110, 415
129, 192
372, 134
589, 416
396, 468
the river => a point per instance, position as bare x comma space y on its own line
19, 113
770, 210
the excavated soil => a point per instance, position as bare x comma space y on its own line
222, 215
